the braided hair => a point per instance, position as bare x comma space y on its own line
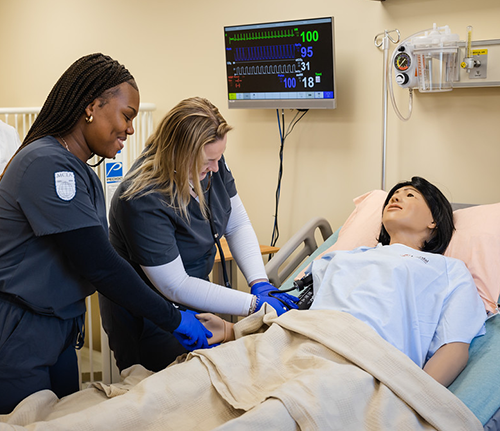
87, 79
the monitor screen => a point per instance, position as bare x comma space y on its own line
287, 64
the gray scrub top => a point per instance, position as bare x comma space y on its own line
46, 190
148, 231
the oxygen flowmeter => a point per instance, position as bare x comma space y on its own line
475, 62
469, 62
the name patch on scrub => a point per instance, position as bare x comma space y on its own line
65, 185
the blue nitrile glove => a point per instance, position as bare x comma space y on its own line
265, 288
191, 333
262, 288
273, 302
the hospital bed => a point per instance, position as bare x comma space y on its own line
478, 233
144, 397
477, 386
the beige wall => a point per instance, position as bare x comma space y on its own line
175, 50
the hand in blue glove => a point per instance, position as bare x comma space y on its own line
273, 302
264, 288
191, 333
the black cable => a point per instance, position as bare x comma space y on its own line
283, 136
216, 236
294, 122
275, 235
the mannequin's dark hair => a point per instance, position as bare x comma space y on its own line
441, 210
87, 79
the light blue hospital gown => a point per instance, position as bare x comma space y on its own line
415, 300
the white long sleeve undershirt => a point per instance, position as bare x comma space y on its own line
243, 242
176, 285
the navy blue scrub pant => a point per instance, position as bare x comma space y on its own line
136, 340
36, 352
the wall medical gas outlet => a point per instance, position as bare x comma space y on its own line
485, 72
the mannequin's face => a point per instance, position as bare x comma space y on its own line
407, 212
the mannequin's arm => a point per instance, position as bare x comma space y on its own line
448, 362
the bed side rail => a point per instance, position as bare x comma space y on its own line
305, 237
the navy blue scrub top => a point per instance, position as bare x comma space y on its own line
148, 231
46, 190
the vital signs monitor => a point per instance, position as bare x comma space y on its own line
286, 64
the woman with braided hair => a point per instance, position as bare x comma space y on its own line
54, 247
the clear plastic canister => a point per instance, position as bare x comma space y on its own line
436, 53
436, 68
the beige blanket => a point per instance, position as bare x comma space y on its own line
309, 370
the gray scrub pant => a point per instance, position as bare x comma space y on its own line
36, 352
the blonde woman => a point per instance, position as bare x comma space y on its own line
178, 195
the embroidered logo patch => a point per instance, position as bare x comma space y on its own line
422, 258
65, 185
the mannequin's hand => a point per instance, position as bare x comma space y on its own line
221, 330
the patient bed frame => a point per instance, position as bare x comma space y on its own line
292, 255
477, 386
299, 251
